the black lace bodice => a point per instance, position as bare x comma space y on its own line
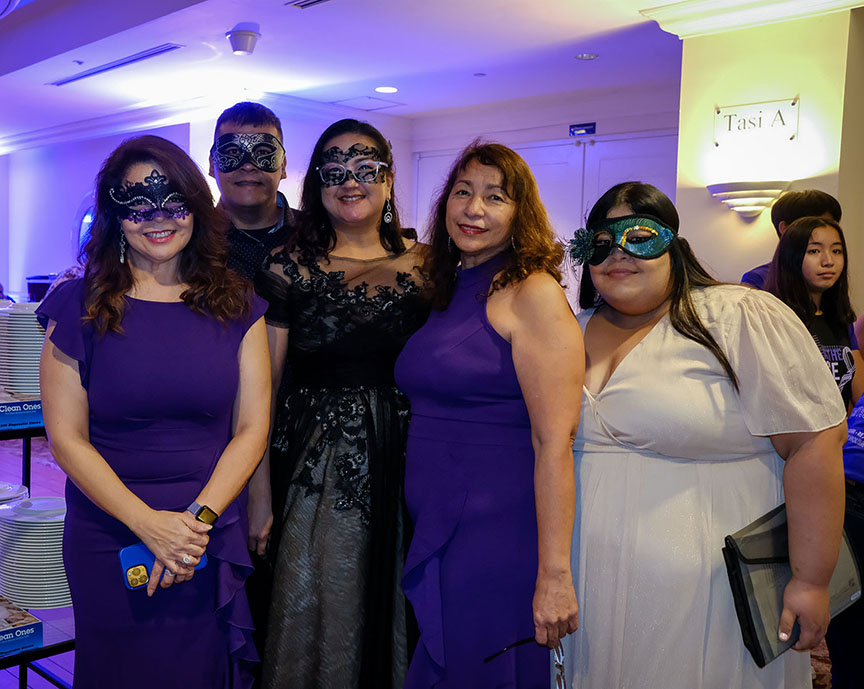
347, 318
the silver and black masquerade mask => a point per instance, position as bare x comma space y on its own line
337, 165
141, 202
231, 151
641, 236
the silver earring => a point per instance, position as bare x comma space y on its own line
449, 243
513, 242
122, 247
388, 213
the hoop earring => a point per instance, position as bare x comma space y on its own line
122, 247
388, 213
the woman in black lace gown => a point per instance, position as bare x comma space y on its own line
344, 297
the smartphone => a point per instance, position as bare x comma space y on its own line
137, 563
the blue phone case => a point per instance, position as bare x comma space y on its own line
137, 562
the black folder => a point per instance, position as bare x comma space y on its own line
757, 561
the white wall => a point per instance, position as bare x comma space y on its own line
46, 187
804, 58
636, 113
620, 110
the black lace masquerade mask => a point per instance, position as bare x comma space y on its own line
231, 151
141, 202
335, 168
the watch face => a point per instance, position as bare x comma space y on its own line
206, 515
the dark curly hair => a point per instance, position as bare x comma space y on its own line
785, 279
686, 271
534, 247
213, 288
315, 236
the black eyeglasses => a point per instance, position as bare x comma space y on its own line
334, 174
557, 659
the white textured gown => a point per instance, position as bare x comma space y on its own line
669, 460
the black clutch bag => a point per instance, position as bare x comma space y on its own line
757, 561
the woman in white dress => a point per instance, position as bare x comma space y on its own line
703, 404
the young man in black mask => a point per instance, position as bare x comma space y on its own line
248, 161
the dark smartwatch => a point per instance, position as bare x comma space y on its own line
202, 513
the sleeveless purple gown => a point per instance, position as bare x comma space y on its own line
469, 483
160, 398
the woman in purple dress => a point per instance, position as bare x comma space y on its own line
155, 391
494, 380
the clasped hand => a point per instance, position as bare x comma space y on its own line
178, 541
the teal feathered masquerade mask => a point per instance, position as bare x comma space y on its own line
641, 236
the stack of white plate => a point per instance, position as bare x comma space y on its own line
21, 339
31, 553
10, 492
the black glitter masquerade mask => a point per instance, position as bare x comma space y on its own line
231, 151
141, 202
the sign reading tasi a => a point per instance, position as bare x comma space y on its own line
773, 121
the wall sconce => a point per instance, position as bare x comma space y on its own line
747, 199
243, 38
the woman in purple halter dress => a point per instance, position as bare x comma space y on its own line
494, 379
155, 388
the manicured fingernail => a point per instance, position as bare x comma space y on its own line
784, 636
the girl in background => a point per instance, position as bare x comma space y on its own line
810, 273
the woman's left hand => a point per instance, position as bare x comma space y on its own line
556, 612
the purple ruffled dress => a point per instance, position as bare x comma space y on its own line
469, 483
160, 399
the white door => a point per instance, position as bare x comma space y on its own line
650, 159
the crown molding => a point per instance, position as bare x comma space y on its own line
693, 18
193, 110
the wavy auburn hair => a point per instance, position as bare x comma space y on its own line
534, 247
213, 288
686, 271
315, 236
786, 281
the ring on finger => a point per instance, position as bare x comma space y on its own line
186, 559
168, 573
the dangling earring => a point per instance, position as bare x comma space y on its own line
513, 242
449, 243
122, 247
388, 213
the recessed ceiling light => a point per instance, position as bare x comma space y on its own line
387, 89
586, 56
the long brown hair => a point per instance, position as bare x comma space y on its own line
534, 246
213, 288
686, 271
315, 236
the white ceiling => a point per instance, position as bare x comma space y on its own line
336, 51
